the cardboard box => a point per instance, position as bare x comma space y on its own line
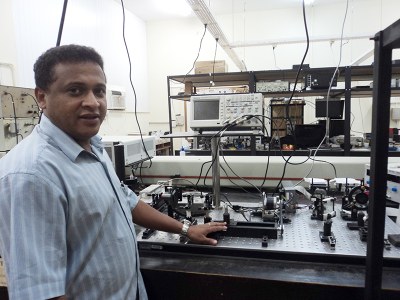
205, 67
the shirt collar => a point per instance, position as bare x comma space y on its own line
63, 141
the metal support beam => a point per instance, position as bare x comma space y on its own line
288, 41
363, 58
60, 29
347, 110
391, 38
215, 172
379, 160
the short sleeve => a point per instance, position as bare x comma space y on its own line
130, 196
33, 236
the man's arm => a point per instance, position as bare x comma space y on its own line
146, 216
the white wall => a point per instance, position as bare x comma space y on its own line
32, 27
162, 48
173, 46
8, 57
364, 17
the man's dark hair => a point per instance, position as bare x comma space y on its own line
44, 66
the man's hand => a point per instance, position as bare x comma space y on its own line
198, 233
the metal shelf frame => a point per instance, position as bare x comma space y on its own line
385, 42
347, 74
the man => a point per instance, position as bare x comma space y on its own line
66, 227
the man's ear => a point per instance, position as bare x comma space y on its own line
40, 97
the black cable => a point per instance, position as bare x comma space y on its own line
227, 200
198, 53
220, 132
235, 189
281, 179
287, 106
294, 89
333, 77
34, 99
239, 186
140, 172
300, 67
299, 163
327, 162
187, 180
212, 160
60, 29
201, 171
273, 50
326, 137
267, 167
130, 80
15, 115
137, 122
223, 129
259, 117
215, 55
239, 208
37, 105
226, 127
223, 157
269, 148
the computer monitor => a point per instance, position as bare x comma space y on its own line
309, 135
335, 108
336, 127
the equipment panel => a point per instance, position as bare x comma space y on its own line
18, 102
19, 113
225, 111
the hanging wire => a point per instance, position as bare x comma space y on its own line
198, 53
131, 82
332, 80
273, 51
212, 82
292, 94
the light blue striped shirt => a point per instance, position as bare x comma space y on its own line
62, 227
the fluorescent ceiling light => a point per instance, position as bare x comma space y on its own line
173, 7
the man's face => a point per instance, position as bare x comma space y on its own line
76, 101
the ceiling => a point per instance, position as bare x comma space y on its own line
151, 10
